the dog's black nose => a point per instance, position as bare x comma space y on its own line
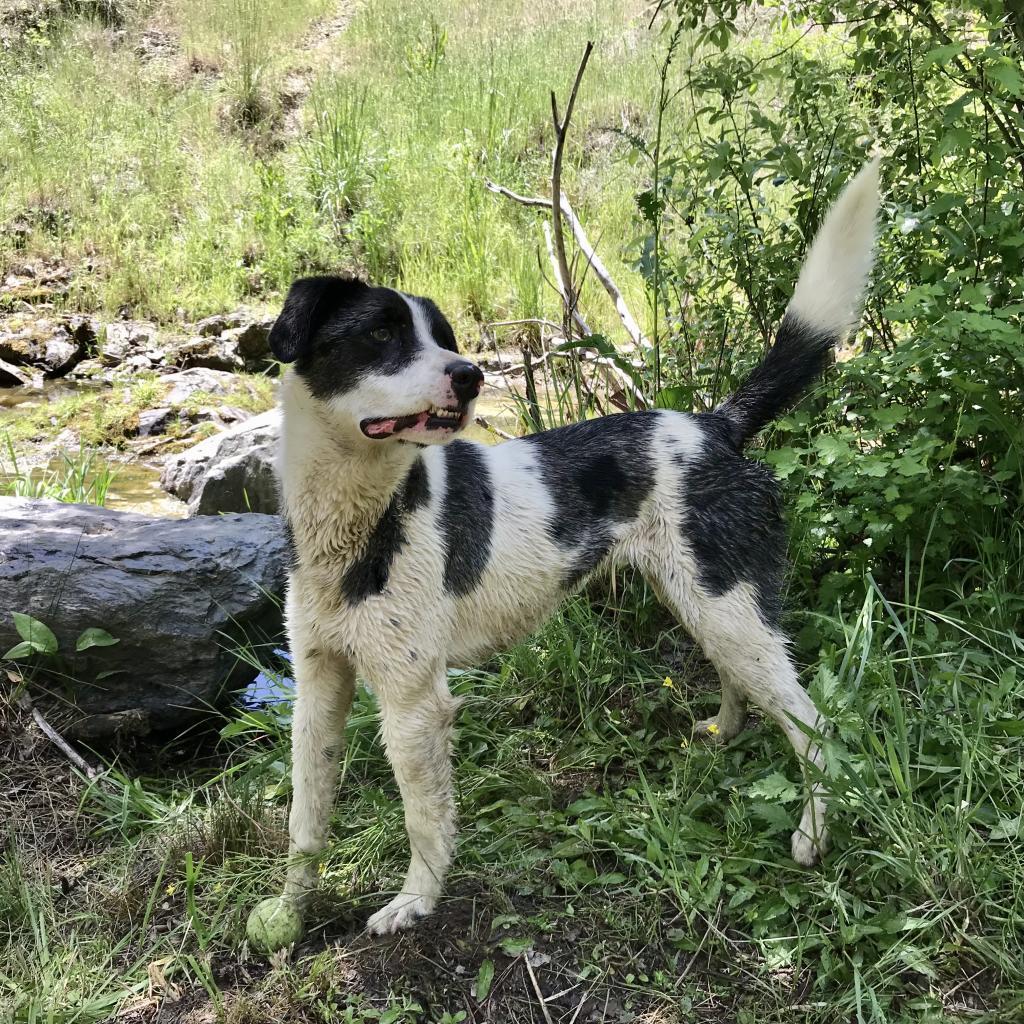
467, 379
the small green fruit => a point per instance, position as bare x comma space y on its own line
274, 924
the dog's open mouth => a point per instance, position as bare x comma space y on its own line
429, 421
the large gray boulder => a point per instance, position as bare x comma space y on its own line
179, 595
229, 472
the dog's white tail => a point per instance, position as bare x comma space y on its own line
834, 277
826, 305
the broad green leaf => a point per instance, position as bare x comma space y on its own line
1007, 76
484, 977
95, 637
18, 651
680, 399
37, 633
944, 54
1006, 828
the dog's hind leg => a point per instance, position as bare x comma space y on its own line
325, 687
731, 717
753, 661
416, 724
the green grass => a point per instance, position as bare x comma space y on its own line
81, 478
651, 870
646, 876
178, 185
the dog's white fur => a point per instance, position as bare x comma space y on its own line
336, 485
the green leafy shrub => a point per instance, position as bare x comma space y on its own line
910, 454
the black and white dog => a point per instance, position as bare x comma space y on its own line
415, 551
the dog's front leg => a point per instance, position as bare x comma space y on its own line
416, 724
325, 685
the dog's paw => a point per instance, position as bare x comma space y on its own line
808, 850
712, 731
402, 912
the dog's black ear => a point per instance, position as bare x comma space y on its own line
310, 303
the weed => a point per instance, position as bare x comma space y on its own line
82, 478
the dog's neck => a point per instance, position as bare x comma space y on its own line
335, 487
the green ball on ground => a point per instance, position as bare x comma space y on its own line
274, 924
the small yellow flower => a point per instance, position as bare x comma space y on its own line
321, 870
713, 729
668, 682
171, 889
684, 744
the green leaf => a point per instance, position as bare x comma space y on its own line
37, 633
943, 54
830, 447
515, 946
18, 651
1006, 828
95, 637
679, 399
775, 787
484, 977
1007, 76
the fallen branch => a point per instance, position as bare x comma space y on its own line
62, 744
536, 989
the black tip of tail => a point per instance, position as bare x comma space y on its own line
800, 355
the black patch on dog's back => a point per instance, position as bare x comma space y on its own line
467, 517
598, 473
733, 519
368, 574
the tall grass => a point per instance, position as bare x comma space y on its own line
82, 478
139, 167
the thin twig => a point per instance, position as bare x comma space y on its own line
536, 988
539, 321
482, 422
62, 744
561, 133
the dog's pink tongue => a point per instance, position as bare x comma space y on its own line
381, 427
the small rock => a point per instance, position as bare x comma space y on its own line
62, 354
11, 376
253, 339
122, 337
229, 472
155, 421
207, 352
54, 346
185, 383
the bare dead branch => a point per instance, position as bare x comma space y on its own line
63, 746
637, 336
561, 133
563, 282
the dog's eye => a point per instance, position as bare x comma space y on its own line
381, 334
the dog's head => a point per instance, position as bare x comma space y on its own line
384, 364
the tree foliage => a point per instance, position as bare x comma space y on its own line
910, 456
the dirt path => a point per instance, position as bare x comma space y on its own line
320, 55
